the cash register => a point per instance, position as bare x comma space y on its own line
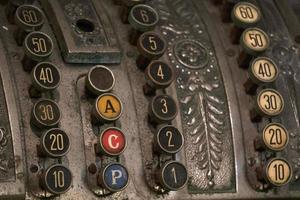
149, 99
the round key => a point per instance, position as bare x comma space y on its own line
114, 177
262, 71
270, 102
275, 137
112, 142
45, 77
99, 80
45, 114
254, 40
55, 143
38, 46
159, 75
172, 176
162, 109
168, 140
143, 17
245, 14
278, 172
150, 46
28, 18
57, 179
108, 108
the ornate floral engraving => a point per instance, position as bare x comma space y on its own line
4, 162
205, 121
191, 54
7, 160
201, 92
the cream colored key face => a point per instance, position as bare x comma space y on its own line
264, 70
255, 39
270, 102
246, 13
278, 172
275, 136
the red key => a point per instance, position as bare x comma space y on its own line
112, 142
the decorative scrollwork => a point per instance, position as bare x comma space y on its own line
205, 119
200, 89
191, 54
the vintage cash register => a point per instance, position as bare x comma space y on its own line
149, 99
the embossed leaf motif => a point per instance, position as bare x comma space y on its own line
206, 128
199, 84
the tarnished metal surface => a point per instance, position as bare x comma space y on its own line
202, 98
12, 176
6, 151
285, 52
213, 107
281, 48
84, 31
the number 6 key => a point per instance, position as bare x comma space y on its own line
142, 18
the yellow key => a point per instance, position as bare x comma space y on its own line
108, 107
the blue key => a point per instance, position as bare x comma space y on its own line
114, 177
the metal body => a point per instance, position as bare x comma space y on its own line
213, 108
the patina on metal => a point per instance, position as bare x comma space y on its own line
213, 115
